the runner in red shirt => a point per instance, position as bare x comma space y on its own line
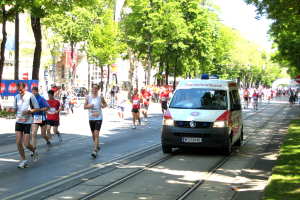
246, 94
164, 98
136, 105
53, 115
146, 95
255, 99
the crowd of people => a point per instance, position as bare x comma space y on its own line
33, 111
255, 95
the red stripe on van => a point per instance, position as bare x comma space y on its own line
224, 117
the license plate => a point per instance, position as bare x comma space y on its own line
191, 140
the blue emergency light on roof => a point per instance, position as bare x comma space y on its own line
205, 76
214, 76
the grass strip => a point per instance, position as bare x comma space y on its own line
285, 180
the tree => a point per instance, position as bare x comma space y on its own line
40, 9
8, 8
180, 34
284, 29
103, 44
73, 27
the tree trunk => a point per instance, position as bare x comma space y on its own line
101, 78
17, 41
37, 32
130, 73
72, 65
131, 70
167, 74
4, 39
149, 65
175, 68
107, 81
160, 71
89, 77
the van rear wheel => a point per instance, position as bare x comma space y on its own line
166, 148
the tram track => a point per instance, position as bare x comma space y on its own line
125, 159
197, 184
45, 190
218, 165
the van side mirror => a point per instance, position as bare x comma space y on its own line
236, 107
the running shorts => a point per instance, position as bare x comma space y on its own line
135, 110
164, 105
24, 128
95, 125
52, 123
41, 124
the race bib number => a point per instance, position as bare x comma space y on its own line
21, 119
164, 99
52, 110
37, 119
95, 113
136, 102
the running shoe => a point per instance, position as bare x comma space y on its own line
133, 127
98, 148
145, 120
48, 143
94, 154
23, 164
35, 156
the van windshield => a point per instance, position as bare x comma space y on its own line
200, 98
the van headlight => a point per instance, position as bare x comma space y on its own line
220, 124
168, 122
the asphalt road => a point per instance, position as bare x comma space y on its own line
117, 140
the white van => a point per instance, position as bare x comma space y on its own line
203, 113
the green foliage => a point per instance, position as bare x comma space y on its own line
186, 39
284, 29
104, 46
73, 26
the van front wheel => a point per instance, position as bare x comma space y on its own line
239, 142
227, 149
166, 149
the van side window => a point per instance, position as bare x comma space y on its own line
235, 100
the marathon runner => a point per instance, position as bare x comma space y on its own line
146, 95
255, 99
53, 116
164, 98
24, 105
121, 101
39, 118
136, 105
94, 104
246, 94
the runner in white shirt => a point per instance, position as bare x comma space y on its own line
94, 104
25, 105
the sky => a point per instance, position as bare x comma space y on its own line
241, 16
